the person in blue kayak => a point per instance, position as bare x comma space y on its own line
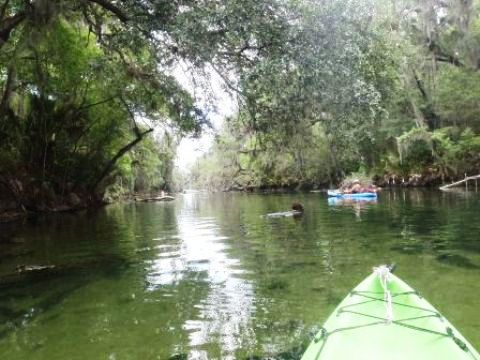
356, 187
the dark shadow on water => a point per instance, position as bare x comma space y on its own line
409, 248
21, 318
294, 353
37, 292
178, 357
457, 260
436, 247
276, 284
291, 354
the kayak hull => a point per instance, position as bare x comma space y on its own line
358, 328
340, 201
336, 193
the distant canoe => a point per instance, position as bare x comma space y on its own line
164, 198
156, 198
338, 194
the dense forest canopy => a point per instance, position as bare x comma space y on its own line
380, 88
325, 88
83, 83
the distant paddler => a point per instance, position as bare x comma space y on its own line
297, 211
357, 187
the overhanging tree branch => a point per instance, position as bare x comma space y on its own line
226, 81
107, 5
110, 165
85, 107
442, 56
449, 59
4, 9
7, 26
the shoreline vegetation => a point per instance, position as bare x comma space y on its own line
29, 201
92, 108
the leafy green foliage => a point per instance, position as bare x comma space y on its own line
458, 96
371, 86
84, 82
456, 151
325, 88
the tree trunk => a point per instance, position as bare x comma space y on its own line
110, 165
8, 24
7, 92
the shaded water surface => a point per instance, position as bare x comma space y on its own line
209, 277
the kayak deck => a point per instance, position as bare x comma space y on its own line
359, 329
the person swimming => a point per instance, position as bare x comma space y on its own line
296, 206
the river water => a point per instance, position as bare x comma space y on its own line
210, 277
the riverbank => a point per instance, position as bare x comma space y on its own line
21, 198
427, 179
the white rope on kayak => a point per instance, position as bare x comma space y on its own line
384, 275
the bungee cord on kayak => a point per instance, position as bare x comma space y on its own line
383, 276
324, 333
383, 273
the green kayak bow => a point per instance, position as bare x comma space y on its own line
384, 318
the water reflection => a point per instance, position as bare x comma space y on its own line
199, 248
358, 205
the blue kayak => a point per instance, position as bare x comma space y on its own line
343, 201
338, 194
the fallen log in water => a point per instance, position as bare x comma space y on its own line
476, 177
155, 198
